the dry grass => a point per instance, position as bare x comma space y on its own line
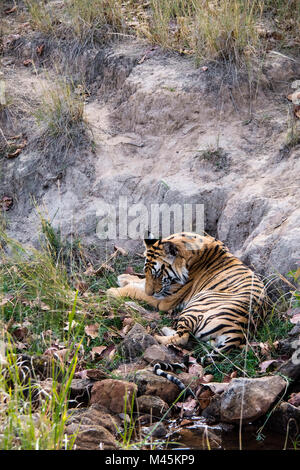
60, 118
207, 29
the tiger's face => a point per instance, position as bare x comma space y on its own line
165, 268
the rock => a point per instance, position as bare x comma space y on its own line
151, 384
212, 413
218, 387
127, 371
116, 395
159, 353
285, 419
153, 405
80, 390
158, 430
190, 380
291, 368
135, 342
289, 345
96, 374
250, 398
91, 437
94, 415
279, 69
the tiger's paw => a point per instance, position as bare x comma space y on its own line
163, 339
113, 292
124, 279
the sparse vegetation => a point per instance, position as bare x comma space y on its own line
214, 155
206, 29
60, 118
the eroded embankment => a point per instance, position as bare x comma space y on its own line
167, 132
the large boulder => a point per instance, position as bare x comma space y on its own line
94, 428
92, 437
248, 399
115, 395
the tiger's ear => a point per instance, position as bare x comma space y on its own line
170, 249
149, 239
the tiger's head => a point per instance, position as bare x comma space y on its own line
165, 267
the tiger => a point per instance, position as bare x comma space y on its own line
220, 298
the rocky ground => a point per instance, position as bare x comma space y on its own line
131, 407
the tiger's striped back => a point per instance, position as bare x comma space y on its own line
220, 296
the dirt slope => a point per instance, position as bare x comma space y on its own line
165, 131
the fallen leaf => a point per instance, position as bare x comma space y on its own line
20, 332
204, 398
27, 62
295, 319
204, 69
109, 351
120, 250
297, 111
70, 326
15, 153
229, 377
92, 330
6, 203
295, 399
8, 11
40, 49
207, 378
81, 286
264, 348
54, 351
97, 351
196, 369
188, 407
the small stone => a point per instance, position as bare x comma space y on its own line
158, 353
157, 430
80, 390
96, 374
151, 404
291, 368
136, 342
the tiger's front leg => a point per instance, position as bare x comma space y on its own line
177, 339
133, 287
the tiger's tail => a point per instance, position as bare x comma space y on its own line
158, 370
